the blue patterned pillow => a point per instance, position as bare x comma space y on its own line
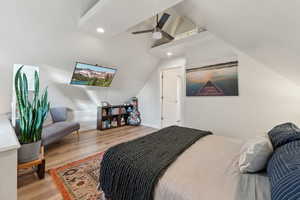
283, 134
284, 172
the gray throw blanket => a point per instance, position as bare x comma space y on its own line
130, 171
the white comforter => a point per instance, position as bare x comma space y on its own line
208, 170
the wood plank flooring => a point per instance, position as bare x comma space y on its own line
72, 148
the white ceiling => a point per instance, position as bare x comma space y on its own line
46, 33
181, 47
116, 16
268, 31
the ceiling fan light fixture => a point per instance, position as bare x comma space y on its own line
169, 54
157, 35
100, 30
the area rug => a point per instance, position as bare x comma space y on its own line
78, 180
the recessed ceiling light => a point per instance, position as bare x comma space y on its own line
169, 54
157, 35
100, 30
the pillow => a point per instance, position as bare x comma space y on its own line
58, 114
284, 172
255, 155
283, 134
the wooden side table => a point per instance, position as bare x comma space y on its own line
39, 163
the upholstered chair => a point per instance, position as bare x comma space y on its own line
60, 126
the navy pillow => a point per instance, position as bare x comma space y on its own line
284, 172
283, 134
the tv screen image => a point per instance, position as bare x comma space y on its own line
92, 75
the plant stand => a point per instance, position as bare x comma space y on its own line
40, 164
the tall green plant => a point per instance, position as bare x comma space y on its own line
32, 113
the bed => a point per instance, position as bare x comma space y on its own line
208, 170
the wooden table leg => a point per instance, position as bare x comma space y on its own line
41, 169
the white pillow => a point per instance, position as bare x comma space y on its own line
255, 155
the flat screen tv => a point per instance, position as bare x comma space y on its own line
92, 75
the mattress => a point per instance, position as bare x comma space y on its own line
208, 170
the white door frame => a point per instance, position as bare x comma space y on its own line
181, 92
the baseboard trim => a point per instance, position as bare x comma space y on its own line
87, 125
151, 126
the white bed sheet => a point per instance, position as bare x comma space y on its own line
208, 170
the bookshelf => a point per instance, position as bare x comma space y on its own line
112, 116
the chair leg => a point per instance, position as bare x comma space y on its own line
77, 132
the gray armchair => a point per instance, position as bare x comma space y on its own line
60, 126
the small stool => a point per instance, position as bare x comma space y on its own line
39, 163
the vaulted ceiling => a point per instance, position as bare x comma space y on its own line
266, 30
46, 33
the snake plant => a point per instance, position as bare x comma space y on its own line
32, 114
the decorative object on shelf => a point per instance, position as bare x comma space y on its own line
213, 80
129, 110
109, 111
114, 123
134, 102
134, 118
32, 116
105, 103
127, 103
104, 113
115, 111
123, 121
106, 124
123, 110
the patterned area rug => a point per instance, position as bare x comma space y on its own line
78, 180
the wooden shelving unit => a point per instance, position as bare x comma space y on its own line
112, 116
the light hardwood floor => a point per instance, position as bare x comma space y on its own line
72, 148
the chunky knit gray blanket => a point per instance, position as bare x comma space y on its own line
130, 171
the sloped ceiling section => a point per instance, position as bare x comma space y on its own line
117, 16
87, 5
46, 34
268, 31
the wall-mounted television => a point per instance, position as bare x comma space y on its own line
92, 75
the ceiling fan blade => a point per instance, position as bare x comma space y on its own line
163, 20
167, 35
145, 31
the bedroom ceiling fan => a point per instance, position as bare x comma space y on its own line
158, 32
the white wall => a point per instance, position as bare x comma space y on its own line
268, 31
149, 96
266, 98
45, 33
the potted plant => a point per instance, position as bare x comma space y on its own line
32, 115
